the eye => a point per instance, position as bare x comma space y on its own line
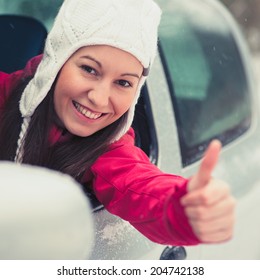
89, 69
124, 83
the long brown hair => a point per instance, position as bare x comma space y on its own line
72, 157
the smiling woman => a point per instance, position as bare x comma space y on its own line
100, 93
71, 109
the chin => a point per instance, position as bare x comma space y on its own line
81, 132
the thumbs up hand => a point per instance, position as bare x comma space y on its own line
209, 204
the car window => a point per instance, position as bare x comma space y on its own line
206, 78
43, 10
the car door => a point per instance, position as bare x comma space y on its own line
201, 88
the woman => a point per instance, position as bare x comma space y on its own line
71, 110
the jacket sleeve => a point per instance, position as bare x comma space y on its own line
9, 81
131, 187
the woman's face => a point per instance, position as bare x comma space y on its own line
95, 87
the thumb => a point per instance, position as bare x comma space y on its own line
208, 163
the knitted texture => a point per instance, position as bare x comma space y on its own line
130, 25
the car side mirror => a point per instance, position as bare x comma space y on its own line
43, 215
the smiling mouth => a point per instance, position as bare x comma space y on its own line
85, 112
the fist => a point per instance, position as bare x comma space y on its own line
208, 204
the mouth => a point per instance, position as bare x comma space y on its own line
86, 112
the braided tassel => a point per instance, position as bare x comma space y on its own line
20, 143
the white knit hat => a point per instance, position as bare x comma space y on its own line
130, 25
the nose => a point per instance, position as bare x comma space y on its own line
99, 95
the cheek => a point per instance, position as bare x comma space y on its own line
123, 104
66, 82
61, 96
63, 91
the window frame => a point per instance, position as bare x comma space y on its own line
190, 155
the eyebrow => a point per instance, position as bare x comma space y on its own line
100, 65
93, 59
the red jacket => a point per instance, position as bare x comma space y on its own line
128, 184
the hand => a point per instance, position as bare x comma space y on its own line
208, 204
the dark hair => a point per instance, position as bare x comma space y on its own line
72, 157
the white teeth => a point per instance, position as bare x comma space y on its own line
85, 112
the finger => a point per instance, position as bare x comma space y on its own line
217, 190
215, 231
215, 225
207, 166
216, 237
202, 213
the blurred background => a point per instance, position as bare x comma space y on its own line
247, 14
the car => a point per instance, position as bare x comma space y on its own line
201, 87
